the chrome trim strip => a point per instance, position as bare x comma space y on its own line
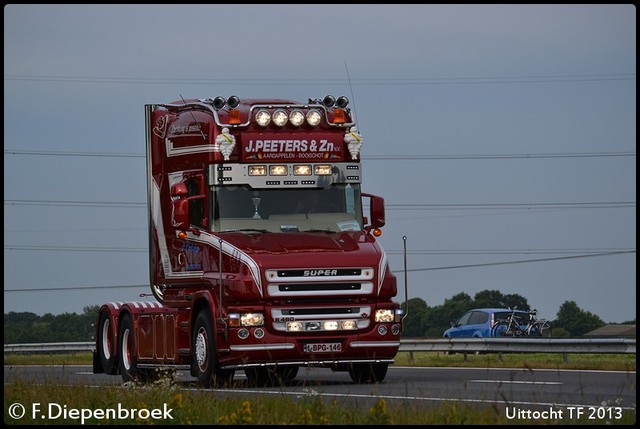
262, 347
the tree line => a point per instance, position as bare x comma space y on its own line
425, 321
422, 320
26, 327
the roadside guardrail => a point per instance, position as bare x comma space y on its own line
452, 345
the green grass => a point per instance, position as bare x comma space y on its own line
593, 361
80, 358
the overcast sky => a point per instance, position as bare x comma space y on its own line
502, 138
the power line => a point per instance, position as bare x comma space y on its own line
369, 157
525, 261
62, 203
395, 271
437, 252
498, 156
75, 288
421, 81
72, 248
469, 206
70, 153
493, 206
433, 252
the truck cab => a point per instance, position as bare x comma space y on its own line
261, 255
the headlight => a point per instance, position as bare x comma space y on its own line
384, 315
349, 325
330, 325
322, 325
246, 319
322, 169
302, 170
257, 170
277, 170
252, 319
295, 326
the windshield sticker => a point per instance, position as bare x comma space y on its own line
349, 225
289, 228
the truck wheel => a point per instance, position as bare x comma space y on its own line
107, 344
287, 372
271, 376
365, 373
127, 352
261, 376
205, 363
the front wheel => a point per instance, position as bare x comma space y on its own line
261, 376
365, 373
205, 363
287, 372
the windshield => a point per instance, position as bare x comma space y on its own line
242, 208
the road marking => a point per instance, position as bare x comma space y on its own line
514, 382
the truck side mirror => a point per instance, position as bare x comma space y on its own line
180, 206
376, 211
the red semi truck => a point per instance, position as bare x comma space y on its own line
261, 258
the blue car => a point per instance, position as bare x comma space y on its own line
478, 323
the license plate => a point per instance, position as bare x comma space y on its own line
322, 347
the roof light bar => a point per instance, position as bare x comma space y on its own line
280, 118
263, 118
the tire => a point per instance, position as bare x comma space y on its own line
106, 344
365, 373
270, 376
261, 377
205, 366
287, 372
500, 330
127, 351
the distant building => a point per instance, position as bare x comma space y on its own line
613, 331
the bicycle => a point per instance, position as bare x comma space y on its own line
511, 327
514, 326
537, 327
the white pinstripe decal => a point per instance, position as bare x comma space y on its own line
205, 148
382, 269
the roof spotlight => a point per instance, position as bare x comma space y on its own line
219, 102
233, 101
342, 102
328, 101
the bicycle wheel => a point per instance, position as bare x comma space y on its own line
539, 329
500, 329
